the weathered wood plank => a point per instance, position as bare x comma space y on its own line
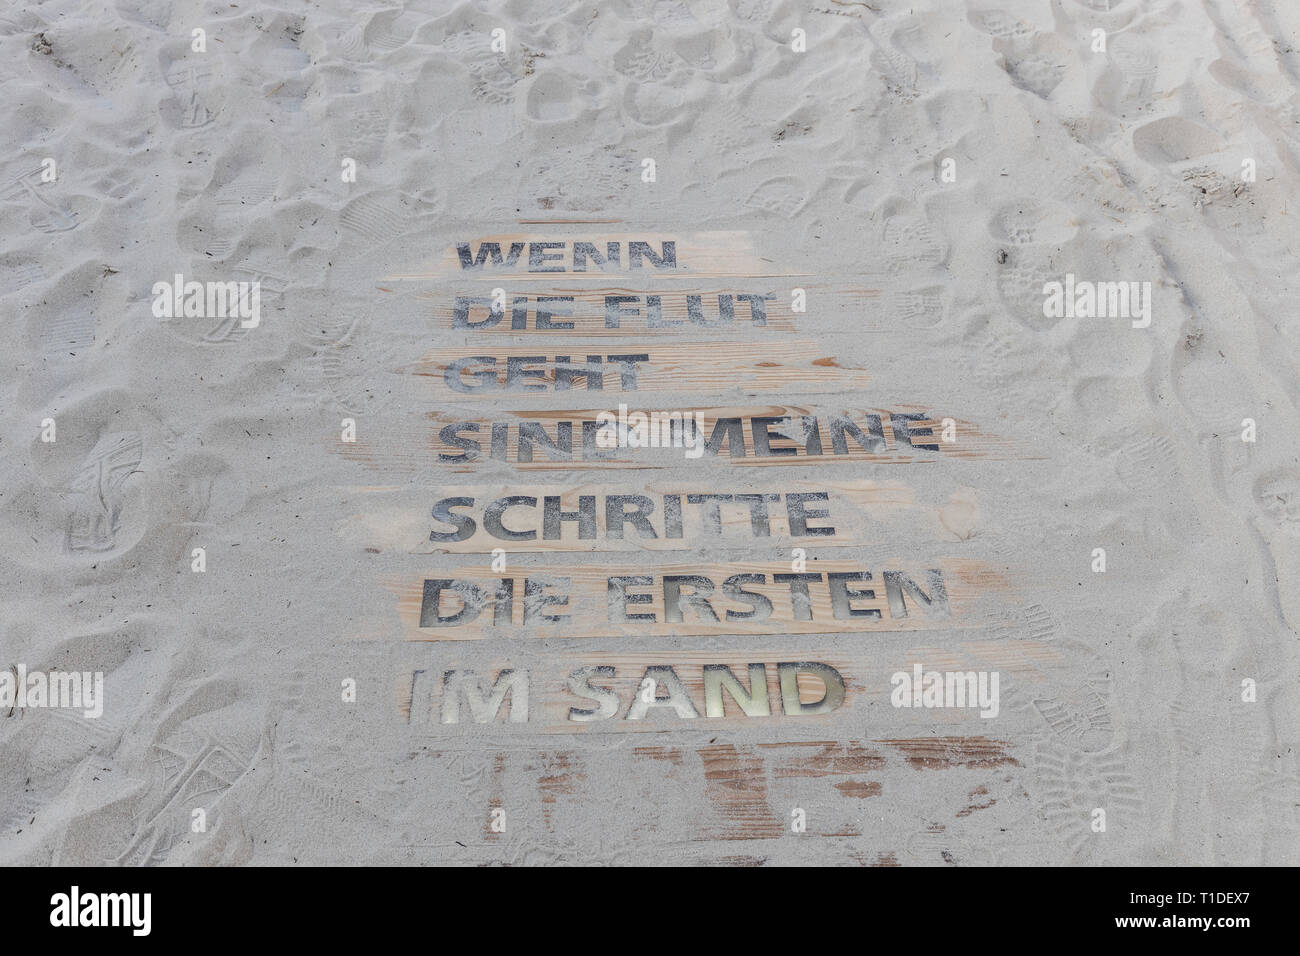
736, 598
492, 371
704, 514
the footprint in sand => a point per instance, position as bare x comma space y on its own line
919, 308
18, 272
1019, 530
553, 97
348, 42
705, 50
93, 513
909, 37
365, 375
244, 193
1099, 182
45, 211
363, 129
782, 195
1002, 362
228, 329
898, 69
1219, 734
116, 183
1277, 498
231, 202
999, 23
374, 218
1173, 140
656, 104
389, 30
1037, 64
1077, 718
1277, 495
1182, 149
910, 242
1210, 724
200, 234
1128, 83
492, 76
55, 747
1071, 784
1208, 385
323, 318
1030, 623
1102, 399
1258, 87
209, 489
643, 60
98, 491
214, 228
1026, 221
1149, 462
729, 129
1020, 286
1077, 710
193, 765
67, 334
195, 100
294, 789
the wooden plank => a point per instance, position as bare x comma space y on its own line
550, 704
716, 254
571, 601
858, 511
491, 371
412, 450
741, 794
748, 309
617, 311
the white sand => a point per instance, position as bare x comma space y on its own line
1120, 691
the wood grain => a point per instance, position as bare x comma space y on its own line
758, 366
587, 612
860, 512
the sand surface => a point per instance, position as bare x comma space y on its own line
919, 169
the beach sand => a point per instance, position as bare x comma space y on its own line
232, 523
